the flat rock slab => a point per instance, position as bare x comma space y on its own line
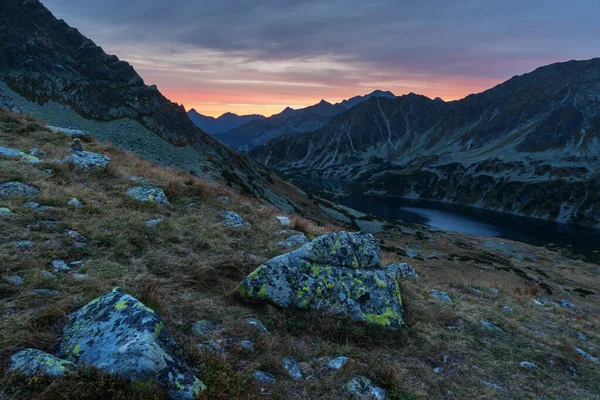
13, 153
118, 334
17, 189
338, 273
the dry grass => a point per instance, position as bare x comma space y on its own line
187, 266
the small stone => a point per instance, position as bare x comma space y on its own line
437, 370
150, 194
537, 302
256, 324
60, 266
23, 243
441, 296
203, 327
46, 292
79, 276
293, 368
32, 362
17, 189
404, 270
13, 153
37, 152
493, 291
77, 263
494, 386
527, 365
294, 240
48, 171
77, 236
247, 345
581, 336
233, 220
567, 304
362, 388
74, 133
490, 326
49, 226
587, 356
47, 275
80, 245
74, 202
5, 211
32, 204
223, 199
507, 309
262, 378
86, 161
77, 146
337, 363
136, 178
153, 222
284, 221
476, 291
15, 280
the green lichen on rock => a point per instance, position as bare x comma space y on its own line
150, 194
33, 362
119, 335
336, 272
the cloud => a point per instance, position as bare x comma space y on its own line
337, 44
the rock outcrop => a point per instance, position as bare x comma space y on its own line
118, 334
17, 189
87, 161
339, 273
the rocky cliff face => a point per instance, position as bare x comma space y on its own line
46, 65
529, 146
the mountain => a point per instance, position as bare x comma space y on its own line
221, 124
529, 146
51, 71
290, 121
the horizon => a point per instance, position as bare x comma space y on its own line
275, 55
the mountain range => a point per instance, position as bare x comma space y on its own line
529, 146
221, 124
50, 70
259, 131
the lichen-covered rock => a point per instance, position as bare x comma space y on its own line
362, 388
87, 161
118, 334
338, 273
5, 211
405, 270
33, 362
13, 153
151, 194
60, 266
17, 189
233, 220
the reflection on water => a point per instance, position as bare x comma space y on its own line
479, 222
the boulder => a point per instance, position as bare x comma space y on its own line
12, 153
338, 273
87, 161
118, 334
337, 363
17, 189
405, 270
441, 296
284, 221
74, 133
362, 388
233, 220
33, 362
150, 194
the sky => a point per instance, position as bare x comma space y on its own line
260, 56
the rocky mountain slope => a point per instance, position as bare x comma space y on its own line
48, 69
120, 279
529, 146
290, 122
221, 124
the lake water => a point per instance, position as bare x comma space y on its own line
479, 222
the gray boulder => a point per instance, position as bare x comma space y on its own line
362, 388
87, 161
441, 296
294, 240
262, 378
33, 362
17, 189
233, 220
75, 202
338, 363
284, 221
15, 280
6, 152
339, 273
118, 334
405, 270
150, 194
74, 133
151, 223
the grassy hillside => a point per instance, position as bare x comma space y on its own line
187, 266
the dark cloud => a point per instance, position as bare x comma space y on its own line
435, 38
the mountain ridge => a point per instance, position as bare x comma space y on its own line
528, 146
221, 124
